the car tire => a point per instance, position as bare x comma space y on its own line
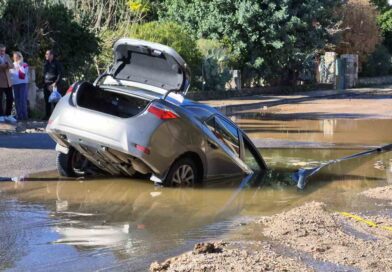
66, 164
183, 173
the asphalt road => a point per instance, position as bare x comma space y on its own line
23, 154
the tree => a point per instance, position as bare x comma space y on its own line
361, 33
173, 35
168, 33
111, 20
385, 23
382, 5
215, 69
270, 38
34, 26
378, 63
101, 15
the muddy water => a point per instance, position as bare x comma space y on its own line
120, 224
346, 133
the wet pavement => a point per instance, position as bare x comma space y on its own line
47, 224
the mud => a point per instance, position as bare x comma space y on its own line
31, 126
383, 193
306, 238
125, 224
344, 108
323, 234
232, 256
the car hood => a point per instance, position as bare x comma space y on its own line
150, 64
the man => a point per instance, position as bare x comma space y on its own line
52, 76
5, 86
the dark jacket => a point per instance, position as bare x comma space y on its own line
52, 72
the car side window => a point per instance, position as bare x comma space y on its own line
249, 157
225, 132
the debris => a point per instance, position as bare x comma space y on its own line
203, 248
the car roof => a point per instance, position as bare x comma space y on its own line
200, 111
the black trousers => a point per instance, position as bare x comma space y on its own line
48, 106
9, 99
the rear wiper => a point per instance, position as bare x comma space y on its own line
302, 175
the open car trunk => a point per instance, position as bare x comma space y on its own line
155, 66
109, 101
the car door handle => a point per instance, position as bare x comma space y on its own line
212, 144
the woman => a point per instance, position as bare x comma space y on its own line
19, 79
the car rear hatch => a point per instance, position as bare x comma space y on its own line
145, 64
119, 102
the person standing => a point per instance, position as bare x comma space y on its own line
19, 79
52, 76
5, 85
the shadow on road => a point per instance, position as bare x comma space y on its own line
27, 141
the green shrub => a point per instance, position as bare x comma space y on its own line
215, 67
167, 33
268, 37
378, 63
173, 35
33, 27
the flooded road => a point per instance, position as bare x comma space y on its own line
48, 224
338, 133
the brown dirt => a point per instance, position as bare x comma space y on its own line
231, 256
23, 127
311, 233
383, 193
327, 236
364, 108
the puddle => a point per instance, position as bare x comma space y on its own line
123, 224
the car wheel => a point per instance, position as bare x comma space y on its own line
72, 164
183, 173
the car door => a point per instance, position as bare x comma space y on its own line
219, 162
251, 156
239, 146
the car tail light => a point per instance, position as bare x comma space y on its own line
70, 89
143, 149
162, 112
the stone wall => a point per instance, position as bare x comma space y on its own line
36, 95
351, 70
327, 68
366, 81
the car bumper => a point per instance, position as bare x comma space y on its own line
109, 142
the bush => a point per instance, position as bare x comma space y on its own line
173, 35
33, 27
167, 33
361, 34
215, 70
378, 63
385, 24
268, 37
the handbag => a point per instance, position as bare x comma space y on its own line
55, 96
22, 74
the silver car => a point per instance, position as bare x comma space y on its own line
134, 119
